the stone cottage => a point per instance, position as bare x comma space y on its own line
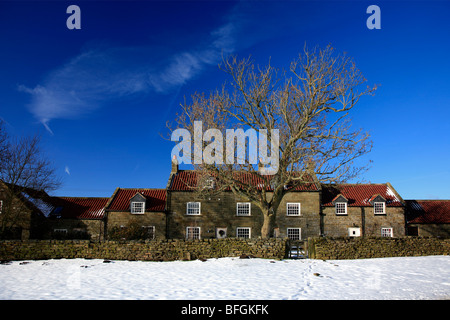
220, 215
144, 209
77, 218
23, 212
428, 218
180, 212
356, 210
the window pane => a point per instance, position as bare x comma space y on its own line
378, 207
386, 232
243, 209
341, 208
293, 233
193, 208
192, 233
293, 209
243, 233
137, 207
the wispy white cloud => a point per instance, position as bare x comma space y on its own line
186, 65
101, 74
88, 80
98, 75
67, 170
81, 86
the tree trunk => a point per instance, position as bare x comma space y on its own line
268, 224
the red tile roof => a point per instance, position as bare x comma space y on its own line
359, 195
186, 180
156, 199
78, 207
428, 211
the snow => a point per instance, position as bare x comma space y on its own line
391, 193
228, 279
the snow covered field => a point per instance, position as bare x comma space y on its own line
228, 279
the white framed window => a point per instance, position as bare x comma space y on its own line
193, 208
379, 208
294, 233
341, 208
243, 232
354, 232
150, 231
387, 232
243, 209
192, 233
137, 207
293, 209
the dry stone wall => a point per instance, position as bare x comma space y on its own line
152, 250
375, 247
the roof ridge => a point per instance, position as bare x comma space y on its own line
427, 199
142, 188
356, 184
80, 197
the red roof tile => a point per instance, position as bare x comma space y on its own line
79, 207
428, 211
359, 195
156, 199
186, 180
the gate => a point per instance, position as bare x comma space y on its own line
297, 249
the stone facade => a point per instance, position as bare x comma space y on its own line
364, 220
19, 219
220, 213
140, 210
428, 218
154, 220
441, 230
93, 229
178, 212
358, 210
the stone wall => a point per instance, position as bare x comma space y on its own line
372, 247
152, 250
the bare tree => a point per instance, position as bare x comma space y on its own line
3, 143
308, 104
23, 169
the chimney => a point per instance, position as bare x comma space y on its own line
174, 164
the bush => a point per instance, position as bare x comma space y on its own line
132, 231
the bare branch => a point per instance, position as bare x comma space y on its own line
309, 104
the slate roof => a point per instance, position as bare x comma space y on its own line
428, 211
78, 207
360, 195
39, 201
62, 207
156, 199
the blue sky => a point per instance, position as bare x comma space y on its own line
101, 96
